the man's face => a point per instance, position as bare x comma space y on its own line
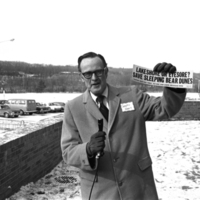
97, 83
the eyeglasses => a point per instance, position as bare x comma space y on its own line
98, 73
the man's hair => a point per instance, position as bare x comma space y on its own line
90, 55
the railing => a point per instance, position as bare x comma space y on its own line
8, 125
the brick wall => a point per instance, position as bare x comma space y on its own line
28, 158
189, 111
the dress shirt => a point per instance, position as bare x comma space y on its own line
105, 100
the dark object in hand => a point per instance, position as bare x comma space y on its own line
96, 143
167, 67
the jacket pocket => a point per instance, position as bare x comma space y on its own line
145, 163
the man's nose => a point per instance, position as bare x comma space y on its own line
94, 76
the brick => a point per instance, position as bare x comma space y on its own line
27, 158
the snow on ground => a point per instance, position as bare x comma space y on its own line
41, 97
174, 147
62, 183
64, 97
175, 150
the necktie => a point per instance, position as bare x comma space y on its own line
103, 109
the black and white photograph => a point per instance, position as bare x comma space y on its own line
99, 100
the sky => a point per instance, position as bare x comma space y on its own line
125, 32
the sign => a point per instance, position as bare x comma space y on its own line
176, 80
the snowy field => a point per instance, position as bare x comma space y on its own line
175, 150
41, 97
64, 97
174, 147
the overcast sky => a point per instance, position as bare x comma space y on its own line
125, 32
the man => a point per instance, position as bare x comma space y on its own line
124, 170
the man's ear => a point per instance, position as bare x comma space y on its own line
106, 71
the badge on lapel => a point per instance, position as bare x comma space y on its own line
127, 106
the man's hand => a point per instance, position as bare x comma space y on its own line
167, 67
96, 143
164, 67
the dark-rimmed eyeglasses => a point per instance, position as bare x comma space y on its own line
98, 73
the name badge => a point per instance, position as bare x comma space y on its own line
127, 106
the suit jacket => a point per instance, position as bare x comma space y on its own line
125, 169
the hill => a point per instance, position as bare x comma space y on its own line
25, 77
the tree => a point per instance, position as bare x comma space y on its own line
41, 86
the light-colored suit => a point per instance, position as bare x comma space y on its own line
125, 169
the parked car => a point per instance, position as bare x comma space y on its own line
55, 107
60, 104
2, 102
26, 106
6, 111
42, 108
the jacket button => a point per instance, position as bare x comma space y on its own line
115, 159
120, 183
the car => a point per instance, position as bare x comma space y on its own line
7, 112
42, 108
55, 107
2, 102
26, 106
60, 104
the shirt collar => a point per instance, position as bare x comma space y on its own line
105, 93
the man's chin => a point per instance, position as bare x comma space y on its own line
96, 90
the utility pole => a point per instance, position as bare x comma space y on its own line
2, 81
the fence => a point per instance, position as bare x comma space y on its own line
8, 125
17, 125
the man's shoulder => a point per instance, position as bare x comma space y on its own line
77, 100
122, 89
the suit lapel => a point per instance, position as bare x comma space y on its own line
113, 101
90, 106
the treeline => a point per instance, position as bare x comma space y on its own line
9, 68
16, 77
